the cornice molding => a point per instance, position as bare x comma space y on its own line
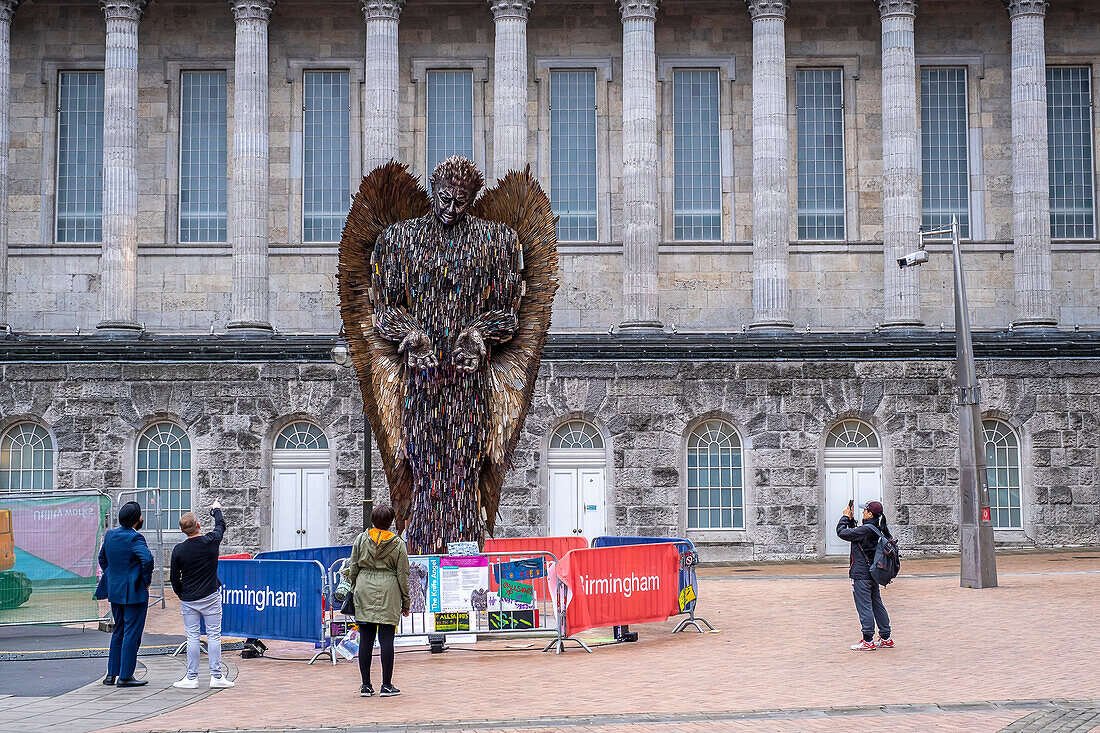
7, 9
887, 8
511, 8
644, 9
252, 9
768, 8
122, 9
1025, 7
386, 9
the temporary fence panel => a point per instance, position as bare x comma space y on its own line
614, 586
154, 515
523, 546
49, 549
272, 599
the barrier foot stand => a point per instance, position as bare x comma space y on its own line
558, 645
330, 650
692, 621
183, 646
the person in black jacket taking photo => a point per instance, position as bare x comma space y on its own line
865, 590
195, 580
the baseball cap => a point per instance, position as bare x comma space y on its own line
872, 506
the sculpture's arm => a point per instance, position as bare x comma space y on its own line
392, 319
499, 321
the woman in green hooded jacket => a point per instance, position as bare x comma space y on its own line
378, 573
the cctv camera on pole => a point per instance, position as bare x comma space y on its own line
978, 560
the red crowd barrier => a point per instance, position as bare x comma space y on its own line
615, 586
238, 556
559, 546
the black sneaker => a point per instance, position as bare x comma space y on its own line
366, 691
388, 691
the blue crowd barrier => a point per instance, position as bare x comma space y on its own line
272, 599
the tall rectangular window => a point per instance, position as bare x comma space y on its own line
573, 153
203, 172
326, 151
945, 170
80, 157
820, 153
697, 207
1069, 153
450, 115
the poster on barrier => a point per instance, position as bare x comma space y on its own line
614, 586
272, 599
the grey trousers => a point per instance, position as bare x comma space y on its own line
208, 609
870, 609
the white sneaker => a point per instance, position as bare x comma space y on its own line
187, 683
218, 683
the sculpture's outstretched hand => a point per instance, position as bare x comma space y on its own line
417, 348
469, 350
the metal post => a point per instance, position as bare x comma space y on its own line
978, 557
368, 479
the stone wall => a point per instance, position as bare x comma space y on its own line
782, 411
705, 286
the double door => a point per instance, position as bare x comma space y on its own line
577, 502
300, 506
843, 484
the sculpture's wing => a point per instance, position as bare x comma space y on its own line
519, 202
388, 195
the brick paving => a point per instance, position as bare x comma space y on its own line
782, 647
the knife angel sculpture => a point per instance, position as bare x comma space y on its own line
446, 305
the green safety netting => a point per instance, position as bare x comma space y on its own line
53, 574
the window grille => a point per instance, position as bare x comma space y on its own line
80, 157
26, 459
573, 153
820, 154
697, 211
945, 171
450, 116
1002, 470
852, 434
326, 153
301, 436
714, 480
1069, 146
203, 170
577, 435
164, 462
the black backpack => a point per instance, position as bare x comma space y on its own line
887, 562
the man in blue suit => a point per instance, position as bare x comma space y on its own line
127, 573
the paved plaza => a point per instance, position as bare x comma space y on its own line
1020, 657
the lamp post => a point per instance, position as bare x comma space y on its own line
978, 558
342, 357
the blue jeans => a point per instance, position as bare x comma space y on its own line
129, 625
870, 609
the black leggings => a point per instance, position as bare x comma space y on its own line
366, 650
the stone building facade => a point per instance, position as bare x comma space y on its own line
783, 343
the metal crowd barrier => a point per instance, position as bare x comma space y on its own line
492, 620
152, 509
689, 559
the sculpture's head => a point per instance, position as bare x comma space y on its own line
455, 184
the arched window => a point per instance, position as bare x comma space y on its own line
577, 435
715, 488
1002, 469
164, 462
852, 434
26, 459
301, 436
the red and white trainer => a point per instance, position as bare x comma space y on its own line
884, 643
864, 646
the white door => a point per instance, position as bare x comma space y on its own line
844, 484
300, 508
577, 502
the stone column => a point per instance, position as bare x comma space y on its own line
510, 85
900, 163
1030, 177
118, 262
640, 231
7, 10
380, 113
771, 209
248, 187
